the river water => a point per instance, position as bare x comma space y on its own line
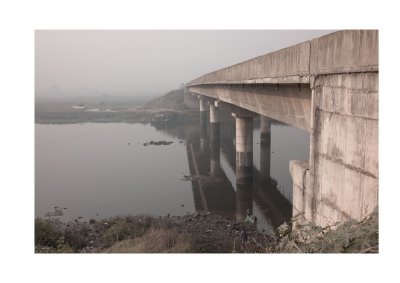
101, 170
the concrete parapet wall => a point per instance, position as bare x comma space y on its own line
288, 65
348, 51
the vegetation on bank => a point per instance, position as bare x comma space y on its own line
349, 237
199, 233
196, 233
173, 101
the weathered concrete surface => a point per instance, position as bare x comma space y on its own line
244, 149
299, 170
214, 116
346, 51
344, 147
203, 103
288, 65
290, 104
214, 140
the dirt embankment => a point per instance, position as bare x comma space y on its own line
171, 101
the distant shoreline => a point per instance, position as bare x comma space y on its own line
135, 116
167, 108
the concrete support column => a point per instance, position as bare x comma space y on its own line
214, 113
244, 166
265, 148
203, 103
203, 122
203, 109
244, 149
214, 140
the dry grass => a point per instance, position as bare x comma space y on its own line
348, 237
155, 240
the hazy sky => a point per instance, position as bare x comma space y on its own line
145, 62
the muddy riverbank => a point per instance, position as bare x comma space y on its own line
199, 233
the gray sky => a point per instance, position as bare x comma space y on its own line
144, 62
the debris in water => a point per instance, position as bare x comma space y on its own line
157, 143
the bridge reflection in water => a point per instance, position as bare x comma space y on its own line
213, 142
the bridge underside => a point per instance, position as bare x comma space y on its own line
290, 104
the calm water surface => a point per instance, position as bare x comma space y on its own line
102, 170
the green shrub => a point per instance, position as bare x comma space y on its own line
45, 233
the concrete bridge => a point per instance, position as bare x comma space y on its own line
327, 86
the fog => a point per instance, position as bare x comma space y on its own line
72, 63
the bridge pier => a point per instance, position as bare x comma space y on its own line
244, 164
265, 148
203, 110
214, 139
244, 148
203, 122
